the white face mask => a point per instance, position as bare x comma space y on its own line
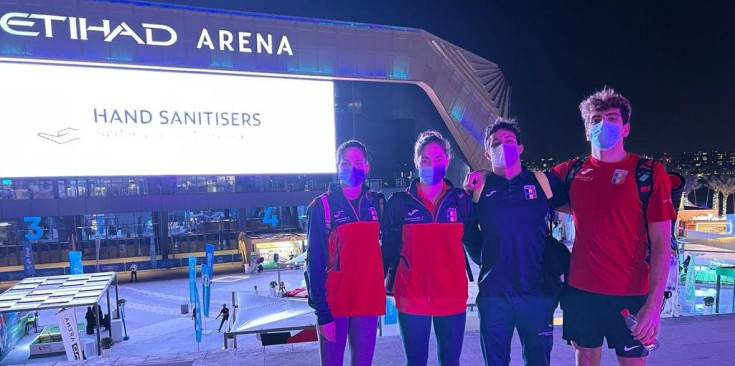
504, 155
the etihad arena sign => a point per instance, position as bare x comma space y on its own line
150, 34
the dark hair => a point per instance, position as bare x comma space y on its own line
508, 124
428, 137
602, 100
348, 144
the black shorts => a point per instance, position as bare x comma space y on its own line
589, 318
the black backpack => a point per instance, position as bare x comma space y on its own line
555, 257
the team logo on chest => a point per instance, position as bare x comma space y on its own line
340, 217
584, 175
452, 215
373, 214
530, 192
619, 176
412, 217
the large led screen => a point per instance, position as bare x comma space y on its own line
98, 120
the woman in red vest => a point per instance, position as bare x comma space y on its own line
344, 272
424, 257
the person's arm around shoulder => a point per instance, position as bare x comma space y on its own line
558, 181
472, 238
559, 192
390, 235
316, 268
475, 179
659, 214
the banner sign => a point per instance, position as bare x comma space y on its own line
209, 258
391, 313
162, 110
209, 265
197, 315
29, 268
75, 263
206, 288
67, 320
192, 280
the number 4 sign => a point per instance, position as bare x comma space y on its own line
270, 216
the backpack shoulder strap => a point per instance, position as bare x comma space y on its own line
573, 170
644, 181
327, 215
543, 181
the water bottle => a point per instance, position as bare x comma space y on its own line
631, 321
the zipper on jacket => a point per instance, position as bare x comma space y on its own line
434, 215
338, 249
359, 203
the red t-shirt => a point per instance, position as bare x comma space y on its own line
609, 255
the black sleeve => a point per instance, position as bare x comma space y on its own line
316, 262
390, 234
472, 236
559, 189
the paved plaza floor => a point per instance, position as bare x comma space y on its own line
160, 334
685, 341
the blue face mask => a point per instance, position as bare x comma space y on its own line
351, 176
432, 174
605, 135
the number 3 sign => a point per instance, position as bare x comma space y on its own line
36, 231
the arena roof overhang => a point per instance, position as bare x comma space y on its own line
468, 91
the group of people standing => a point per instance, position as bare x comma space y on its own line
91, 318
415, 247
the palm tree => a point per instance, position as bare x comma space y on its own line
721, 184
692, 184
728, 188
713, 182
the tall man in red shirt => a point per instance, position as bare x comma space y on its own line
609, 267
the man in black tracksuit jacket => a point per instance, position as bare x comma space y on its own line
507, 239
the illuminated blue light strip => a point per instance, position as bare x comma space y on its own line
458, 109
400, 67
262, 16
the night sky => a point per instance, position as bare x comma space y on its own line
675, 61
